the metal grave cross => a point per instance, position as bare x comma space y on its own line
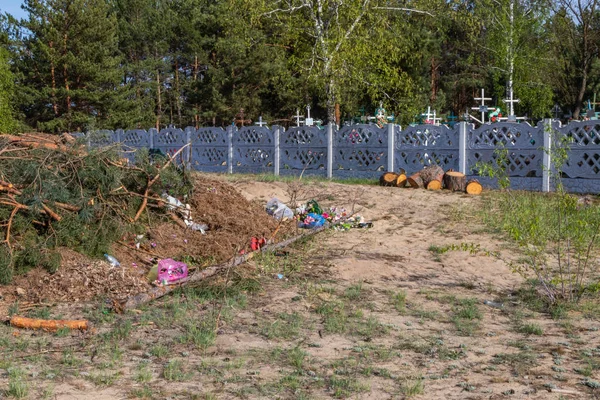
556, 110
482, 108
427, 115
593, 104
260, 122
451, 119
511, 104
308, 121
436, 120
298, 116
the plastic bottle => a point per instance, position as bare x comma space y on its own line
493, 304
112, 261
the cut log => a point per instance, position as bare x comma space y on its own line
388, 179
455, 181
432, 173
415, 181
474, 187
48, 325
434, 185
401, 180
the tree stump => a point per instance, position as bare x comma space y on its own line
415, 181
388, 179
474, 187
455, 181
432, 176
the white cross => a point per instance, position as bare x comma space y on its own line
511, 100
428, 114
308, 121
297, 116
260, 122
435, 120
482, 106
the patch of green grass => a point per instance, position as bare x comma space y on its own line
412, 388
286, 326
431, 347
354, 292
69, 359
18, 387
62, 332
40, 313
466, 316
202, 333
520, 362
335, 319
143, 373
342, 387
375, 352
296, 357
159, 350
47, 392
145, 392
287, 264
103, 378
368, 328
531, 329
174, 370
419, 312
399, 301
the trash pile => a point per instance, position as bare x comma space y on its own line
312, 216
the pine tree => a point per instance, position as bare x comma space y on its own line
7, 87
69, 64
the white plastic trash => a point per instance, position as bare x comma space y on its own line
278, 209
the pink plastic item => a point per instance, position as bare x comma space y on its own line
171, 271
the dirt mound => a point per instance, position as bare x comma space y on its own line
232, 222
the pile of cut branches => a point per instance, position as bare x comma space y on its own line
54, 192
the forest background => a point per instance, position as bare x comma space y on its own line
76, 65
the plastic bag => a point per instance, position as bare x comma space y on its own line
278, 209
171, 271
312, 221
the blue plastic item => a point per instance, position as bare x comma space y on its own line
312, 221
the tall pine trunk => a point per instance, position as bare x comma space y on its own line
53, 78
158, 100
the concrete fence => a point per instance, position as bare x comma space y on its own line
366, 151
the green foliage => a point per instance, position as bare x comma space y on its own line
7, 89
496, 169
558, 237
94, 182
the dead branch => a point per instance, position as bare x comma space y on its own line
47, 325
153, 181
160, 291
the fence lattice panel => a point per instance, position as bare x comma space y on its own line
423, 145
254, 149
360, 150
518, 147
303, 148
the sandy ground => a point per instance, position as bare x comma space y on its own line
394, 256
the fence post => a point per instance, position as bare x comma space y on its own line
547, 156
119, 135
330, 150
391, 143
277, 152
462, 147
230, 149
151, 139
188, 140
